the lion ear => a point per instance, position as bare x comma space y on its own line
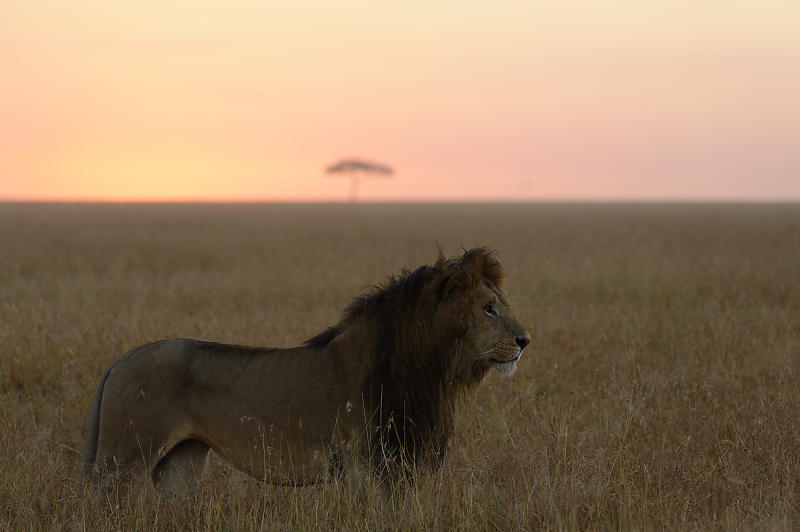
483, 263
456, 282
473, 260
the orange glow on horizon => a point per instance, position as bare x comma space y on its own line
242, 101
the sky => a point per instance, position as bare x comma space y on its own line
467, 100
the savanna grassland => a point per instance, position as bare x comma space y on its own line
661, 390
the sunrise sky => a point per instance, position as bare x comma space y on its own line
468, 100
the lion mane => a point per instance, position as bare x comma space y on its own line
378, 389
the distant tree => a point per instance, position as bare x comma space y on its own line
356, 170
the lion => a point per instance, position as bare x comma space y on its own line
377, 391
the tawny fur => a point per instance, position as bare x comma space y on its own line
377, 389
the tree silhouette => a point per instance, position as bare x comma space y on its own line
357, 169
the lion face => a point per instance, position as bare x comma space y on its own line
497, 337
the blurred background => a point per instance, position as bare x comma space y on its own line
477, 100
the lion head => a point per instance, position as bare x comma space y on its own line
474, 305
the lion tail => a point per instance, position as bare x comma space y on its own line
90, 446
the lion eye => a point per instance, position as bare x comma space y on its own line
490, 311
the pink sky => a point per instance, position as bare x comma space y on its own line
522, 100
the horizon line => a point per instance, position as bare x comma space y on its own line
244, 201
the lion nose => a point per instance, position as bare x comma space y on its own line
523, 341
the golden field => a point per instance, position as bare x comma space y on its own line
661, 390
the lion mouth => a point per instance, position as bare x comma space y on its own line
498, 361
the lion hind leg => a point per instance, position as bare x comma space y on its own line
180, 470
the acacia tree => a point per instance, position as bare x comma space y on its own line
356, 170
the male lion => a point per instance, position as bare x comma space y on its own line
378, 388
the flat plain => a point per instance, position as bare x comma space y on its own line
661, 390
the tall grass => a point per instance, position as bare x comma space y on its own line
662, 388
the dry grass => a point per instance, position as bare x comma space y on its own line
662, 389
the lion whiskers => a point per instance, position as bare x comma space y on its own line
484, 353
506, 368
